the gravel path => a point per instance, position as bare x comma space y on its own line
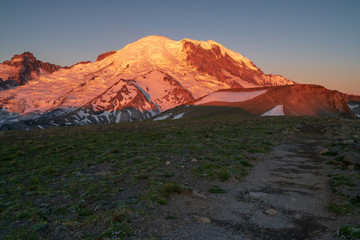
284, 197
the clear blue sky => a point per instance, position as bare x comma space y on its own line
308, 41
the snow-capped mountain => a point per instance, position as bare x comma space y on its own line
139, 81
23, 68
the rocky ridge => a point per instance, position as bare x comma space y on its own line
23, 68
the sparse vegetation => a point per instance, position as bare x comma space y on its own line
349, 232
94, 182
340, 209
216, 189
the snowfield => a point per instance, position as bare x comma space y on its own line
276, 111
230, 97
166, 116
178, 116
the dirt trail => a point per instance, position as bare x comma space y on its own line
284, 197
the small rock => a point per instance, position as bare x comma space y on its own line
194, 160
325, 150
199, 194
182, 166
202, 219
293, 199
351, 167
297, 216
270, 212
168, 163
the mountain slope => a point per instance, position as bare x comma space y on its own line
168, 73
295, 100
23, 68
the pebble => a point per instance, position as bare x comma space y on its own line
270, 212
194, 160
325, 150
168, 163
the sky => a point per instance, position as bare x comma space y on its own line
307, 41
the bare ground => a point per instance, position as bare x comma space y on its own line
285, 197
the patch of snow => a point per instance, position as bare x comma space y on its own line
163, 117
353, 106
147, 95
230, 96
178, 116
118, 116
276, 111
41, 127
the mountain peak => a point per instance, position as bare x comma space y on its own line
154, 38
24, 56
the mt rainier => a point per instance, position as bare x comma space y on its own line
135, 83
141, 80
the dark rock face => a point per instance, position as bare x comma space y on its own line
29, 64
7, 84
178, 95
212, 62
215, 63
104, 55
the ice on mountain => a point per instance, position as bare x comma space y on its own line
353, 106
163, 117
230, 96
276, 111
178, 116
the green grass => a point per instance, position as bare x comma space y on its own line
341, 179
216, 189
349, 232
75, 178
341, 209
